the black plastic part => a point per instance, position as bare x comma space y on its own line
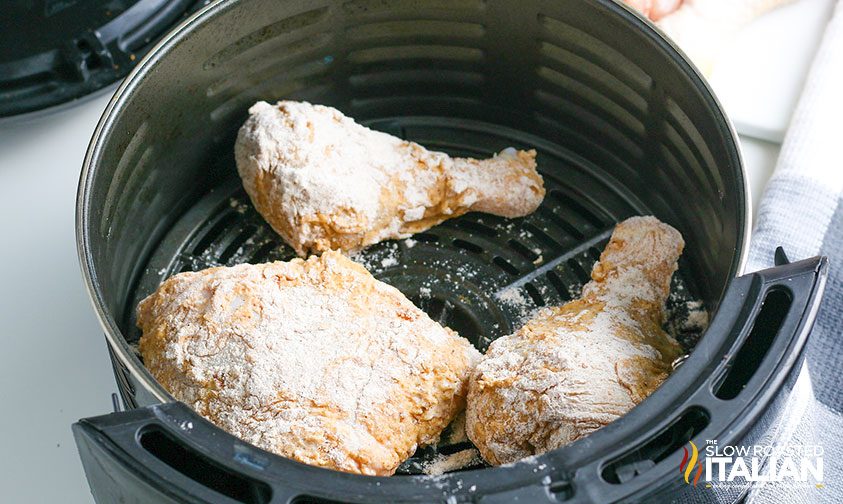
751, 353
115, 403
55, 51
121, 466
780, 257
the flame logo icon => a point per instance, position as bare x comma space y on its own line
686, 467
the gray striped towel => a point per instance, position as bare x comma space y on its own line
802, 210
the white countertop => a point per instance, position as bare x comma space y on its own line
54, 367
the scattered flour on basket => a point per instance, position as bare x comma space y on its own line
447, 463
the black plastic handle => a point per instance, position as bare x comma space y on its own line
731, 388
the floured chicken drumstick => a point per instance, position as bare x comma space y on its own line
575, 368
313, 360
324, 182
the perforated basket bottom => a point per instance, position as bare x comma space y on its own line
478, 274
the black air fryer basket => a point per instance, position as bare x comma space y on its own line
623, 125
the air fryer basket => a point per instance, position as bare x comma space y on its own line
623, 125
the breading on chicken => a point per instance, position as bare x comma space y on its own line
324, 182
575, 368
313, 360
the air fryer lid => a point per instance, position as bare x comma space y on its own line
53, 51
622, 124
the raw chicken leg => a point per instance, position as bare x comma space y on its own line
324, 182
575, 368
313, 360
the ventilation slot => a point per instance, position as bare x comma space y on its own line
236, 244
589, 117
583, 143
505, 265
524, 250
445, 101
263, 252
569, 63
565, 225
477, 249
303, 49
308, 76
305, 499
534, 294
477, 227
415, 52
672, 439
558, 284
702, 153
409, 7
579, 271
585, 93
197, 467
212, 234
387, 79
764, 330
577, 207
415, 29
132, 154
541, 235
426, 237
592, 49
451, 315
264, 34
127, 390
